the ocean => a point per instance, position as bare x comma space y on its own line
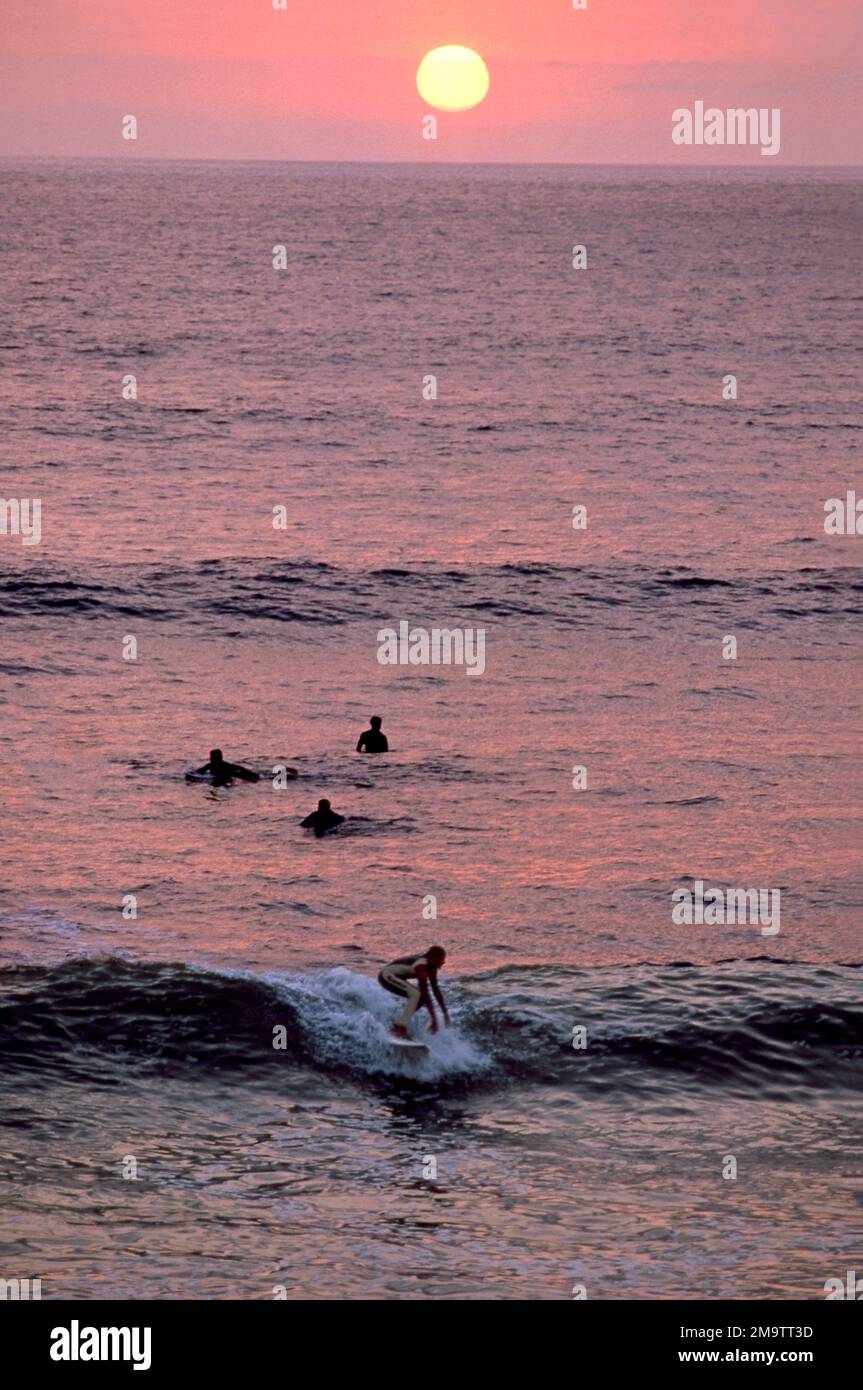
254, 471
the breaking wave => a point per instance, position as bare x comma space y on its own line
102, 1019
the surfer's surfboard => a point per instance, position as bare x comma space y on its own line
407, 1043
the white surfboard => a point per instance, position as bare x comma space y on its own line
408, 1043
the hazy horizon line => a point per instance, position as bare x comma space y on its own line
423, 164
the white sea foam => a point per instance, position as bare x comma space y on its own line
347, 1017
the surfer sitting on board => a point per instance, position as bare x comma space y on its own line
398, 976
223, 772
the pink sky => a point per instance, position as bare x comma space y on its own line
335, 79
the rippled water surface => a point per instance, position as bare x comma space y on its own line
312, 1165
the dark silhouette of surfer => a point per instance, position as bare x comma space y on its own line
323, 819
373, 741
414, 978
222, 772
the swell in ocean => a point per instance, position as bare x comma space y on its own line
309, 592
747, 1027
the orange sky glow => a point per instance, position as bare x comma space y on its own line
335, 79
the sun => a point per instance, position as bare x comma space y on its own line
452, 78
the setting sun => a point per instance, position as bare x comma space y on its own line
452, 78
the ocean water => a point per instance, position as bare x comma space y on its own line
507, 1164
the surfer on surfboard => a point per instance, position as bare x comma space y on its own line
222, 771
414, 978
323, 819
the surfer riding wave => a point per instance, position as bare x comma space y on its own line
398, 977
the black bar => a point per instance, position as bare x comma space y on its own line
255, 1339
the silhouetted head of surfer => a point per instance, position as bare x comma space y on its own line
436, 955
323, 804
376, 722
216, 758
